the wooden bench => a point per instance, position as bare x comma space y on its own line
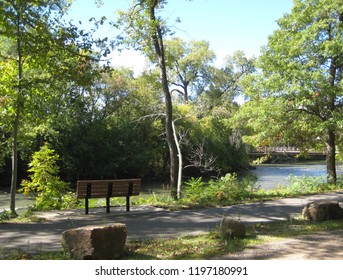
106, 189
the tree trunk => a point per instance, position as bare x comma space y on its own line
14, 162
331, 136
170, 135
331, 157
186, 92
157, 38
16, 120
179, 154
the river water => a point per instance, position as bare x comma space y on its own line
22, 201
269, 176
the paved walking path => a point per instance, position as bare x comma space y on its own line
148, 222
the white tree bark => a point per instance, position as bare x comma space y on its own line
179, 154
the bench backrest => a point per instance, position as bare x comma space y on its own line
108, 188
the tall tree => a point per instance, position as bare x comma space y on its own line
35, 56
302, 68
146, 31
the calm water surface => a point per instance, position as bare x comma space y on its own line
271, 175
22, 201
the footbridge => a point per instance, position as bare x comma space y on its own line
285, 150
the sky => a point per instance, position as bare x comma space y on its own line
228, 25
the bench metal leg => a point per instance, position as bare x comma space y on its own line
107, 205
89, 192
128, 203
86, 206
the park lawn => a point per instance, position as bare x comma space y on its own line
207, 246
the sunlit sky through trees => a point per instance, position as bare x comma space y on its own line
228, 25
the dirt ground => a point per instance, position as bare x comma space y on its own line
327, 245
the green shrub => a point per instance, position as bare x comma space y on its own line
305, 185
230, 188
45, 182
226, 190
308, 184
195, 189
6, 215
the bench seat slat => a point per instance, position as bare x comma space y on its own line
102, 195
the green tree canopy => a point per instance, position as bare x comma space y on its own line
188, 64
38, 53
299, 87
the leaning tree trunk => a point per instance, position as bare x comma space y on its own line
157, 39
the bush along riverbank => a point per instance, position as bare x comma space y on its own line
198, 193
228, 190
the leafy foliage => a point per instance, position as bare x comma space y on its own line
301, 79
226, 190
304, 185
44, 181
188, 65
39, 55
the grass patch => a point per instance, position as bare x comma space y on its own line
26, 217
22, 255
295, 227
207, 246
197, 247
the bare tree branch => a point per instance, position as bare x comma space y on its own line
200, 159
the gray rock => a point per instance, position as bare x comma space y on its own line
100, 242
231, 228
322, 211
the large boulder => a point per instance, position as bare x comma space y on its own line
231, 228
322, 211
100, 242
